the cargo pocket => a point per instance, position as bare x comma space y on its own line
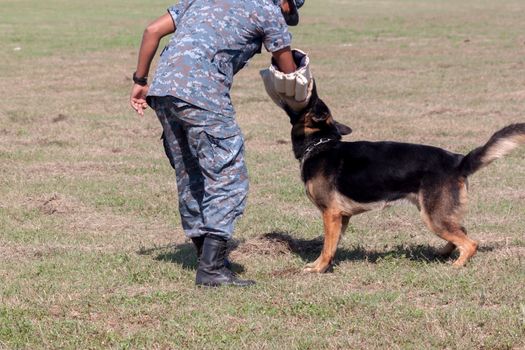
221, 150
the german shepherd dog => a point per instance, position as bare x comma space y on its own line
348, 178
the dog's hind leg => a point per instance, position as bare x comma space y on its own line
467, 247
455, 237
449, 247
441, 209
334, 225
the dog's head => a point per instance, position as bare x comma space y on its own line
315, 120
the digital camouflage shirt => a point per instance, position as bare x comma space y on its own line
213, 40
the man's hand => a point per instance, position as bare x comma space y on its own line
138, 98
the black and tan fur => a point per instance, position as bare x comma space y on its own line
348, 178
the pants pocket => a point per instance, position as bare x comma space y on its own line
220, 152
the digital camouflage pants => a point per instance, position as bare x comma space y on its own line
206, 150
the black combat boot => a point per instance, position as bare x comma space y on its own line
211, 271
198, 242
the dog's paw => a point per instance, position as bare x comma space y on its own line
459, 263
316, 268
310, 270
313, 263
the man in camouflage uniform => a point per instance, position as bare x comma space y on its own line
212, 41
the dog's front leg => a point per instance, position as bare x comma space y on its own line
334, 225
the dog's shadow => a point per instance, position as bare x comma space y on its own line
309, 249
276, 243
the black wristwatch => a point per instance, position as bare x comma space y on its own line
142, 81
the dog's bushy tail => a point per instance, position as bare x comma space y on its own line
500, 144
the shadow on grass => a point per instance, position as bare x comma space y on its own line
310, 249
184, 255
278, 243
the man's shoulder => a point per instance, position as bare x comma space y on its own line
259, 6
267, 5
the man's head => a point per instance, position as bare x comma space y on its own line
290, 13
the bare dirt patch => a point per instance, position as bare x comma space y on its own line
274, 244
58, 204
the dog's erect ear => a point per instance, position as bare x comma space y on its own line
342, 129
314, 95
319, 111
293, 115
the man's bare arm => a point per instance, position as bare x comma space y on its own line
155, 31
284, 60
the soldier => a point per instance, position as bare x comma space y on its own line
212, 40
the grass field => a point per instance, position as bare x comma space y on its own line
91, 250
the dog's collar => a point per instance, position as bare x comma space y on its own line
312, 146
